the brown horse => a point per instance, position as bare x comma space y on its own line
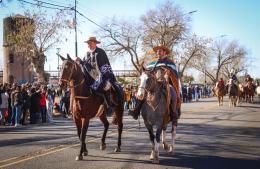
220, 93
250, 92
86, 105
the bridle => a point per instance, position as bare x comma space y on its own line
148, 89
70, 76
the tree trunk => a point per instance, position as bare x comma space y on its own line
38, 63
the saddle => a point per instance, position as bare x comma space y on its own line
171, 114
115, 95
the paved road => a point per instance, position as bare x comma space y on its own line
208, 137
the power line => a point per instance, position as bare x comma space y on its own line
52, 4
61, 7
35, 4
90, 20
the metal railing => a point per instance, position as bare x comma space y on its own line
54, 74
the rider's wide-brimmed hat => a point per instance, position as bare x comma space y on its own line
163, 47
92, 39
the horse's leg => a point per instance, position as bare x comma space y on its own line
156, 145
84, 128
218, 101
104, 120
119, 117
150, 131
174, 129
164, 143
78, 125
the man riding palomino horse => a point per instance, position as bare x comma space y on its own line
220, 84
96, 63
163, 61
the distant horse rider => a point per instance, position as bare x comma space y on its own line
220, 83
96, 63
234, 77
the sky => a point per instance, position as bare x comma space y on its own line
237, 20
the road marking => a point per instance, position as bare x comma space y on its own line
52, 150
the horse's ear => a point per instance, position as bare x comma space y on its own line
142, 68
61, 57
68, 57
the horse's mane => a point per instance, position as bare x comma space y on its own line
88, 78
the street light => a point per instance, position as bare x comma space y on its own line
58, 55
191, 12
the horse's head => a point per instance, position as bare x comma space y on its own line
69, 71
147, 83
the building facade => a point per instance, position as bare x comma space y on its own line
16, 66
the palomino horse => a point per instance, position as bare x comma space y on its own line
155, 111
258, 92
250, 92
232, 93
86, 105
241, 93
220, 93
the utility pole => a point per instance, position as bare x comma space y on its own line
75, 22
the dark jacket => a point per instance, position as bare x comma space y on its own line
35, 102
17, 98
96, 63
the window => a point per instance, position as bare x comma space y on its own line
11, 58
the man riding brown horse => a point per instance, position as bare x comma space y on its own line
162, 60
96, 63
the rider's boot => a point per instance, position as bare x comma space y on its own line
107, 98
136, 112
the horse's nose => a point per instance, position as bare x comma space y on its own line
140, 97
60, 84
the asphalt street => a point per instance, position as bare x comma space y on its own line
208, 137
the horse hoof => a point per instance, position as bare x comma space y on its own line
155, 161
79, 157
85, 153
171, 150
103, 146
117, 149
165, 146
152, 155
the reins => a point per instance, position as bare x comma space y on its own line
69, 79
147, 90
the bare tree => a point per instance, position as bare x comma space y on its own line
193, 47
122, 37
218, 56
37, 35
164, 25
238, 65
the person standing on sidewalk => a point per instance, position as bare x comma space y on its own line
17, 103
43, 108
4, 105
50, 102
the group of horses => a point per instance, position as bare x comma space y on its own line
237, 93
86, 105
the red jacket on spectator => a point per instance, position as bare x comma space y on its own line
43, 99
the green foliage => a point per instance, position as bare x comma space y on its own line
122, 80
187, 79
